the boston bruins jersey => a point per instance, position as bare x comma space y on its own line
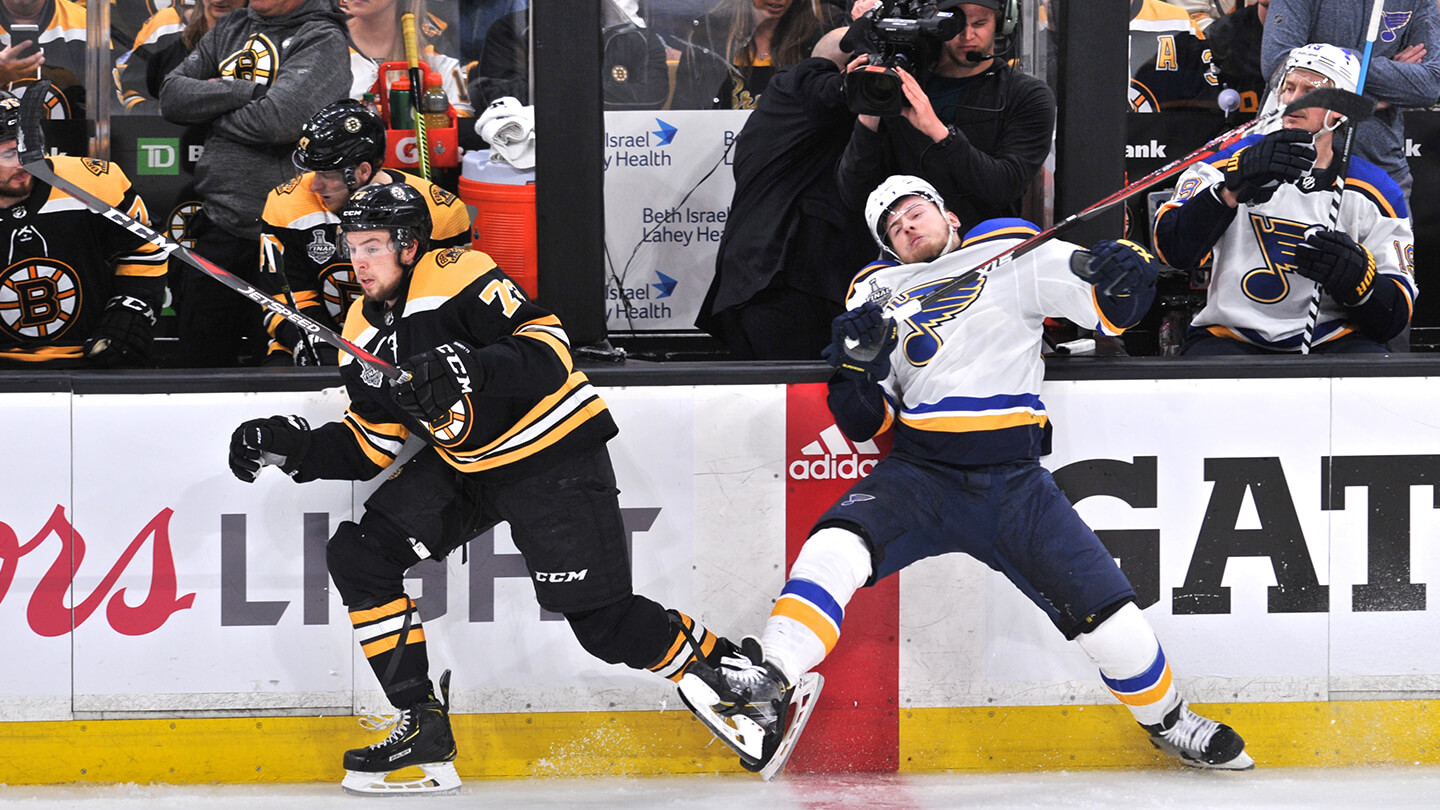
531, 405
1255, 295
63, 263
306, 231
964, 383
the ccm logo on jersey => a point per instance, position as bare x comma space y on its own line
561, 576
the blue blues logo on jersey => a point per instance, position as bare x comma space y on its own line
1277, 238
1391, 23
922, 344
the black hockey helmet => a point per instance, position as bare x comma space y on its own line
340, 137
395, 207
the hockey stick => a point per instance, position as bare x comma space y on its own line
1342, 168
1330, 98
417, 90
274, 252
31, 146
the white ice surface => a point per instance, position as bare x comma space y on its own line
1387, 787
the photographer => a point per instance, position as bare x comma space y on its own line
968, 123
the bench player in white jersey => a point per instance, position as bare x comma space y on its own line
1264, 208
959, 384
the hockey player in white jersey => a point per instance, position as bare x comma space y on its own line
1265, 207
959, 385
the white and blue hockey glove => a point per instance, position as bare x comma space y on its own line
280, 441
874, 335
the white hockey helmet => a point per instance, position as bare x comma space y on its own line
896, 187
1334, 63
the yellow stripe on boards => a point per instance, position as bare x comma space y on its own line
672, 742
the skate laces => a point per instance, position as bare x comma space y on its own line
1191, 731
379, 722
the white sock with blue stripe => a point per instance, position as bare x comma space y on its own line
1132, 664
805, 623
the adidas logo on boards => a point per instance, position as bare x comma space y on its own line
833, 456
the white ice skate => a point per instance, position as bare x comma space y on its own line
747, 703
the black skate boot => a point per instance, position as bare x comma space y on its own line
421, 737
1199, 741
747, 702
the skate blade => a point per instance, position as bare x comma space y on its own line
1242, 762
440, 777
802, 703
743, 735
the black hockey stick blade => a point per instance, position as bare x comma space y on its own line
1351, 105
29, 138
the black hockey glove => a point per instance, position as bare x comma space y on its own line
280, 441
438, 378
1342, 268
311, 350
124, 334
1117, 269
1255, 172
876, 335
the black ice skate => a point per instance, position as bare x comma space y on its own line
1199, 741
748, 703
421, 738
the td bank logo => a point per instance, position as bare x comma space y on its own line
833, 456
158, 156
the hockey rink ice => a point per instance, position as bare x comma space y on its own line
1355, 787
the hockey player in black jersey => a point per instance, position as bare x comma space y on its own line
516, 434
341, 149
77, 290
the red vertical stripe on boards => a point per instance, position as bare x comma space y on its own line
856, 725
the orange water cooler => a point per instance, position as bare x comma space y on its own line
503, 199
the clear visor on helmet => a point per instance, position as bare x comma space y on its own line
367, 244
1289, 83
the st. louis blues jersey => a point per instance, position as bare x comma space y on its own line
1255, 295
321, 281
964, 384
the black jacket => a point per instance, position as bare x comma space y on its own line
786, 218
1006, 121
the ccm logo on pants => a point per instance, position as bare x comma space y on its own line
560, 576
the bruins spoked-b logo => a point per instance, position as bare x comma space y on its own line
254, 62
39, 299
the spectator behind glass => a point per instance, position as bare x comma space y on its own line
163, 43
1264, 208
729, 55
61, 59
375, 36
790, 248
1235, 42
978, 131
88, 289
253, 81
630, 50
